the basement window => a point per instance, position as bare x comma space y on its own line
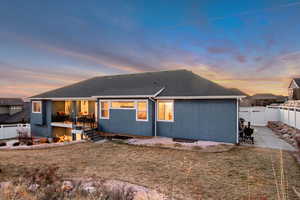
36, 107
165, 111
104, 109
142, 111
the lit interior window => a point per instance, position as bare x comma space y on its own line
84, 107
142, 110
104, 109
165, 111
68, 107
122, 104
36, 107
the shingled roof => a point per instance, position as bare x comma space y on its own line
166, 83
297, 80
11, 102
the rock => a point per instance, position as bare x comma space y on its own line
150, 195
5, 185
67, 186
286, 136
88, 187
33, 187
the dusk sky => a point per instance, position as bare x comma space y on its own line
251, 45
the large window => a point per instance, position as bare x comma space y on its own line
84, 107
68, 107
142, 111
165, 111
122, 104
104, 109
37, 107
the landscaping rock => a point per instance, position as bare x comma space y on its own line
67, 186
88, 187
132, 191
286, 136
5, 185
33, 187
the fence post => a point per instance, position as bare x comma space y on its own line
1, 131
295, 112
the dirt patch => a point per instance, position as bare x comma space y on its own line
176, 173
163, 142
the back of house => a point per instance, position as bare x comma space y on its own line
176, 104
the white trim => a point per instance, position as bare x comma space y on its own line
100, 109
64, 98
173, 107
61, 124
200, 97
116, 100
137, 110
32, 107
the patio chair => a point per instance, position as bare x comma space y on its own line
248, 131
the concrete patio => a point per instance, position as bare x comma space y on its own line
265, 138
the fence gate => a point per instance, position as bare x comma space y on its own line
255, 115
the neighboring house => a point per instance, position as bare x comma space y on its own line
176, 104
294, 89
14, 110
262, 100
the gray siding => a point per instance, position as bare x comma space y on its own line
124, 121
41, 122
212, 120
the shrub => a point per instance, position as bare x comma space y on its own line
2, 144
16, 144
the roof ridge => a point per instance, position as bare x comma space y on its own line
139, 73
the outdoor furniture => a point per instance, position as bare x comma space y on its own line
246, 133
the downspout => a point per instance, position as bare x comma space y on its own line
155, 110
155, 115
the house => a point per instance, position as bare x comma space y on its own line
262, 100
13, 111
176, 104
294, 89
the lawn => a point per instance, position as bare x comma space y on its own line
234, 174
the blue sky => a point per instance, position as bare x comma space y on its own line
250, 45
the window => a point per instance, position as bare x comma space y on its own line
122, 104
37, 107
142, 111
68, 107
104, 109
165, 111
84, 107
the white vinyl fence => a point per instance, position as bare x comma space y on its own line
11, 130
259, 116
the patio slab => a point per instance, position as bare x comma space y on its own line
266, 138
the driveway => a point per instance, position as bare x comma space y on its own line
266, 138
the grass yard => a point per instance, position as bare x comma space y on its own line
236, 174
